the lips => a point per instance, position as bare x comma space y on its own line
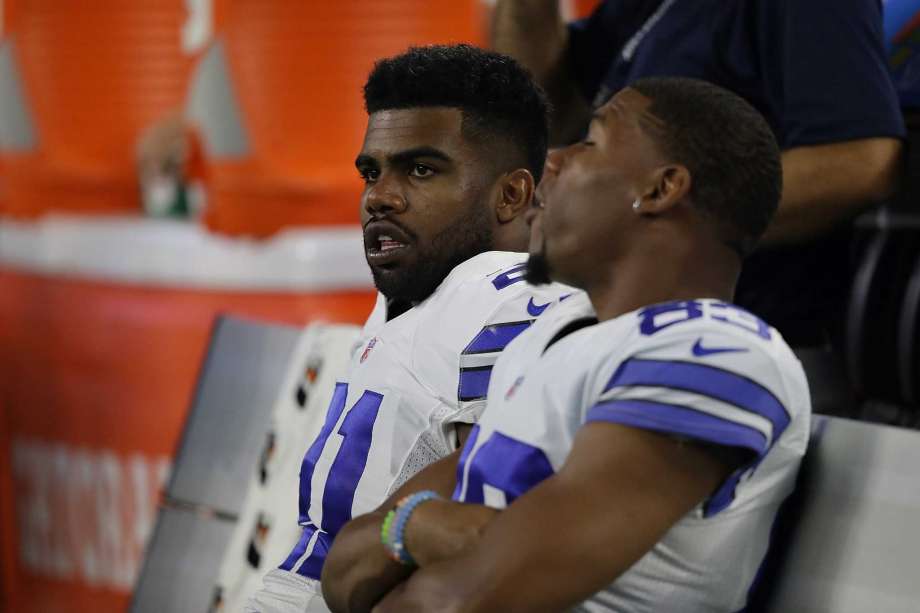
385, 243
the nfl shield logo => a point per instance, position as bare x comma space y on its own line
367, 350
514, 387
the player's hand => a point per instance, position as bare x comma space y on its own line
163, 148
442, 530
418, 595
396, 601
390, 602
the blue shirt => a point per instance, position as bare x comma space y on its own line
816, 70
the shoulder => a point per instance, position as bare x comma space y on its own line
562, 317
700, 356
471, 319
712, 334
709, 372
492, 293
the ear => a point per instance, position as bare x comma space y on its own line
515, 195
669, 186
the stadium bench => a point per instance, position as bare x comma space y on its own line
846, 542
223, 437
849, 542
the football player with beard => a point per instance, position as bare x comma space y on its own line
454, 147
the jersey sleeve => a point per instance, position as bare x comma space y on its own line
473, 327
513, 315
701, 382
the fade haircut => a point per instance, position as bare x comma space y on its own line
728, 148
498, 98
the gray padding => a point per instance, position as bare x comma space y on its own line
180, 568
856, 545
17, 131
225, 432
213, 106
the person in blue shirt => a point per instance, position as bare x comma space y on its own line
815, 69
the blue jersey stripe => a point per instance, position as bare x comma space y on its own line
679, 420
507, 464
718, 383
464, 456
511, 276
312, 567
299, 549
336, 406
496, 337
724, 496
685, 421
474, 383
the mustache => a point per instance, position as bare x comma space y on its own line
409, 233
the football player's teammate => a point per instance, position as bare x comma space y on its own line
455, 142
636, 464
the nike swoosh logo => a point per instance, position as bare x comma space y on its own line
701, 352
536, 309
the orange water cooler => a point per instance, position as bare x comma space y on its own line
104, 319
286, 78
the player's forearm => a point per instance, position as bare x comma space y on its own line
825, 185
488, 577
526, 572
358, 572
520, 564
576, 531
442, 530
534, 33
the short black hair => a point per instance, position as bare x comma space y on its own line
729, 149
497, 96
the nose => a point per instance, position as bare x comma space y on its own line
384, 196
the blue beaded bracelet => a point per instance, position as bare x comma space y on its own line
393, 537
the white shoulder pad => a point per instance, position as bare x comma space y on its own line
466, 325
702, 369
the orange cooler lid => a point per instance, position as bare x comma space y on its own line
296, 70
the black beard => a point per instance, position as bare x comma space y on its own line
452, 246
537, 271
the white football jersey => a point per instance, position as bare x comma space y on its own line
411, 380
698, 369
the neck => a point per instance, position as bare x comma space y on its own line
665, 271
512, 236
396, 307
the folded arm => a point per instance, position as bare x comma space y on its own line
575, 532
824, 185
358, 571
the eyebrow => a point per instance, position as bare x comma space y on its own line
402, 157
600, 114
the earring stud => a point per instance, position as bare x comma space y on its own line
636, 205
